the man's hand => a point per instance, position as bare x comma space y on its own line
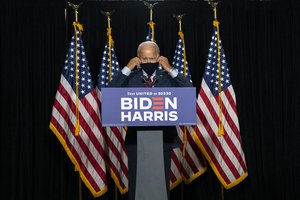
133, 62
163, 61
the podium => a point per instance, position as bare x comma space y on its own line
150, 174
149, 107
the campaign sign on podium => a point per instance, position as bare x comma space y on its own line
148, 106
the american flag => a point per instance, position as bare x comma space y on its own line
86, 150
224, 153
118, 160
178, 59
150, 35
192, 164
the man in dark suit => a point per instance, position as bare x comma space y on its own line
148, 74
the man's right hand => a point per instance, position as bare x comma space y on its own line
133, 62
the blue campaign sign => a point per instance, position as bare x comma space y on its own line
148, 106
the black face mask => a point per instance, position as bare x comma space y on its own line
149, 68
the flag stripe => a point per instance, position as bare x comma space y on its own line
192, 164
122, 156
204, 133
175, 166
222, 150
118, 159
92, 150
116, 162
80, 134
212, 109
232, 141
75, 146
84, 117
193, 149
189, 154
227, 112
87, 112
222, 146
115, 136
230, 95
75, 157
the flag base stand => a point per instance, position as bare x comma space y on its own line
150, 177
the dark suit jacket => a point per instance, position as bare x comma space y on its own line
162, 79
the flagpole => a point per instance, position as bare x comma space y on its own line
216, 24
66, 24
77, 126
110, 45
181, 35
182, 191
151, 23
78, 26
222, 192
79, 188
110, 41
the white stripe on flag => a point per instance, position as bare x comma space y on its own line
111, 154
90, 168
227, 128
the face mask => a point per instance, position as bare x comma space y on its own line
149, 68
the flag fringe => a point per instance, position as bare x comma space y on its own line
227, 186
117, 182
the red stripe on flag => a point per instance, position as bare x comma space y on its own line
227, 138
117, 133
194, 146
81, 143
207, 147
172, 177
116, 152
230, 100
112, 148
228, 118
82, 121
214, 137
187, 156
83, 169
178, 166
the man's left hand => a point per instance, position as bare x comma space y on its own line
163, 61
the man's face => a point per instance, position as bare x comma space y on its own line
148, 54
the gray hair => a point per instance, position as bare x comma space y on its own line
148, 43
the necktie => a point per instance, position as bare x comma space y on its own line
148, 83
